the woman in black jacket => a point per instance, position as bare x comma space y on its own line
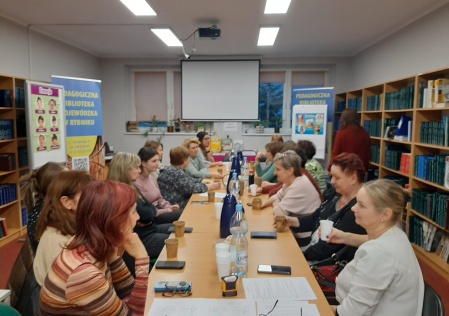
125, 167
348, 174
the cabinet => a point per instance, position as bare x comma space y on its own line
383, 105
13, 144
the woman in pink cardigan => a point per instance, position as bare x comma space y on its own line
166, 212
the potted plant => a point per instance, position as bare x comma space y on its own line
260, 127
277, 125
200, 127
154, 124
171, 125
177, 123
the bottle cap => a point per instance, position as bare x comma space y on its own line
239, 208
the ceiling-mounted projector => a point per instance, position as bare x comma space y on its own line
209, 32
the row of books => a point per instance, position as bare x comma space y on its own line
20, 97
341, 106
373, 102
356, 104
5, 98
24, 211
393, 156
374, 128
402, 99
431, 168
434, 93
432, 204
375, 153
23, 156
435, 133
6, 129
429, 237
8, 193
3, 227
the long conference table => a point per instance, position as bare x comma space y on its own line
197, 249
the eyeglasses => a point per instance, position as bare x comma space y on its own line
171, 291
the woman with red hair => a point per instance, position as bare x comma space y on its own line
89, 276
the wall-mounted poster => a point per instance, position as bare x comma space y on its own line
45, 113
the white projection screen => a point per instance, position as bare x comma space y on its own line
220, 90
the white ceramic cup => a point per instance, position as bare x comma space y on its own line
326, 228
253, 188
221, 246
223, 263
218, 208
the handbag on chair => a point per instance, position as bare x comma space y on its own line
326, 272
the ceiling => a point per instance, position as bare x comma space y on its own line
311, 28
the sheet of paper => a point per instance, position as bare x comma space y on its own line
278, 288
201, 307
287, 308
218, 195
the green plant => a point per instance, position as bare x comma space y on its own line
200, 126
278, 123
154, 121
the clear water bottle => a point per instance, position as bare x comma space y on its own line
245, 172
239, 243
234, 186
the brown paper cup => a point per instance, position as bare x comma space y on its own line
280, 223
251, 165
258, 181
211, 196
171, 245
242, 187
179, 228
257, 204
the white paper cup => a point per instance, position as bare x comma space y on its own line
253, 188
326, 228
221, 246
223, 264
227, 165
218, 208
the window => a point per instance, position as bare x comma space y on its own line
271, 98
150, 95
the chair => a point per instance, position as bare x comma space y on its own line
6, 310
432, 305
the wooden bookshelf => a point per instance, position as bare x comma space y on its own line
387, 102
12, 211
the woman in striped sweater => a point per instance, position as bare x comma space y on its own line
89, 277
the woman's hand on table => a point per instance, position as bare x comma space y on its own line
175, 207
216, 175
291, 221
214, 186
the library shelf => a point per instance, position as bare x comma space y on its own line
384, 104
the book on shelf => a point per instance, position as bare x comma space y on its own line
390, 132
429, 93
404, 166
441, 89
403, 131
4, 226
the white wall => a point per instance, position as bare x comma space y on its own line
30, 55
421, 47
116, 88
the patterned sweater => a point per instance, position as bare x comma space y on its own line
77, 285
177, 186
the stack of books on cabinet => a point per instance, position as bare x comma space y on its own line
417, 158
13, 158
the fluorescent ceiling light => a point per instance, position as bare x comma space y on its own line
167, 36
267, 36
277, 6
138, 7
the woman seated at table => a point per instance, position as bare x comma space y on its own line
57, 222
384, 278
204, 152
312, 165
148, 187
125, 167
347, 172
267, 173
89, 276
196, 167
298, 195
176, 185
159, 147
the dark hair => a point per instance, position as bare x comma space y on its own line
34, 185
308, 147
103, 209
40, 118
145, 154
54, 214
273, 148
54, 137
201, 135
53, 118
178, 155
350, 163
348, 117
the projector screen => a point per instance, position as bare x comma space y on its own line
220, 90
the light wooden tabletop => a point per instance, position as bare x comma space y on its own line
197, 249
